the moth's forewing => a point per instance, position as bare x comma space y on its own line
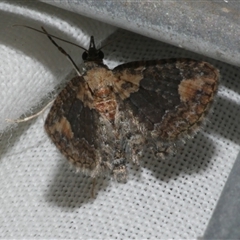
168, 98
72, 126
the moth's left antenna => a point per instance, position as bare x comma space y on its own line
50, 36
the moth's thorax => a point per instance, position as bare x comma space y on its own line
99, 77
92, 64
100, 81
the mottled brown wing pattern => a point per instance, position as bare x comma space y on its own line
74, 128
168, 98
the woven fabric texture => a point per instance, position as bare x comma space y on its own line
42, 196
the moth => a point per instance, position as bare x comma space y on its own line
105, 118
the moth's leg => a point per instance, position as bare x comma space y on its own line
119, 168
135, 141
161, 150
30, 117
136, 144
63, 52
93, 187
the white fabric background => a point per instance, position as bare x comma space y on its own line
41, 196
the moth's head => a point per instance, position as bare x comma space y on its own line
93, 54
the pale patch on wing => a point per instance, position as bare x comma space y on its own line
188, 88
127, 81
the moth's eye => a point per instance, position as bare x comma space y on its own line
85, 56
100, 54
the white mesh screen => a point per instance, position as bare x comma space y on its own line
42, 196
